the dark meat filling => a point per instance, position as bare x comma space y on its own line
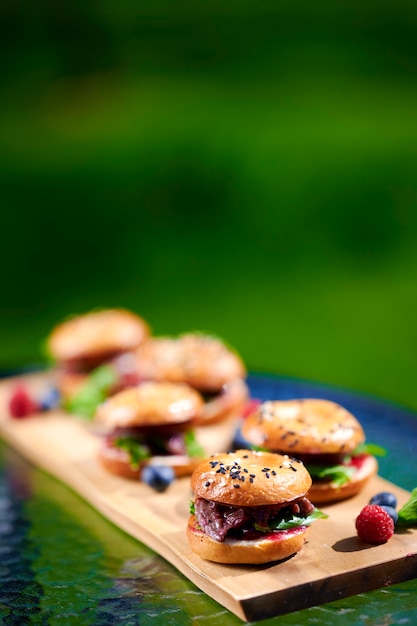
219, 520
158, 440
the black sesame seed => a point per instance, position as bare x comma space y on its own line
267, 474
274, 473
236, 486
245, 470
207, 483
252, 475
246, 456
294, 469
251, 479
214, 463
266, 469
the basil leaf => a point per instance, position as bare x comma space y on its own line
407, 515
291, 521
193, 448
192, 507
338, 474
93, 392
137, 451
369, 448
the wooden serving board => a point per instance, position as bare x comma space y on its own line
332, 565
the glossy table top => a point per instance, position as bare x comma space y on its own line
62, 562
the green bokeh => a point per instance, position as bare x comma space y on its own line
244, 168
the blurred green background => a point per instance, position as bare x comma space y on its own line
248, 168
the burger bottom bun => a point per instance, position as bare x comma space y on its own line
230, 401
273, 547
323, 492
117, 461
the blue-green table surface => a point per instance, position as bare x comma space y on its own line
63, 563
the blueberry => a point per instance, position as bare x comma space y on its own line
384, 498
391, 512
159, 477
50, 399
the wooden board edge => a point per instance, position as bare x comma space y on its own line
305, 596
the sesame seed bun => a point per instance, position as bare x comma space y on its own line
97, 334
149, 404
306, 426
249, 478
270, 547
312, 428
202, 361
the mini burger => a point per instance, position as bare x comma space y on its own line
250, 507
150, 425
327, 438
83, 344
203, 362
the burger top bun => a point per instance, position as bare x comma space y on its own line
150, 404
306, 426
199, 360
97, 333
249, 478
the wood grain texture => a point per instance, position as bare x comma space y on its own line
332, 565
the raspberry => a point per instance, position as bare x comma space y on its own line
21, 404
374, 525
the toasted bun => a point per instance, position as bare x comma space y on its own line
97, 333
150, 404
271, 547
202, 361
230, 401
323, 492
69, 383
306, 426
249, 478
117, 461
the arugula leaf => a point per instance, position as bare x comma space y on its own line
93, 392
258, 448
407, 515
137, 451
192, 507
369, 448
193, 448
339, 474
291, 521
